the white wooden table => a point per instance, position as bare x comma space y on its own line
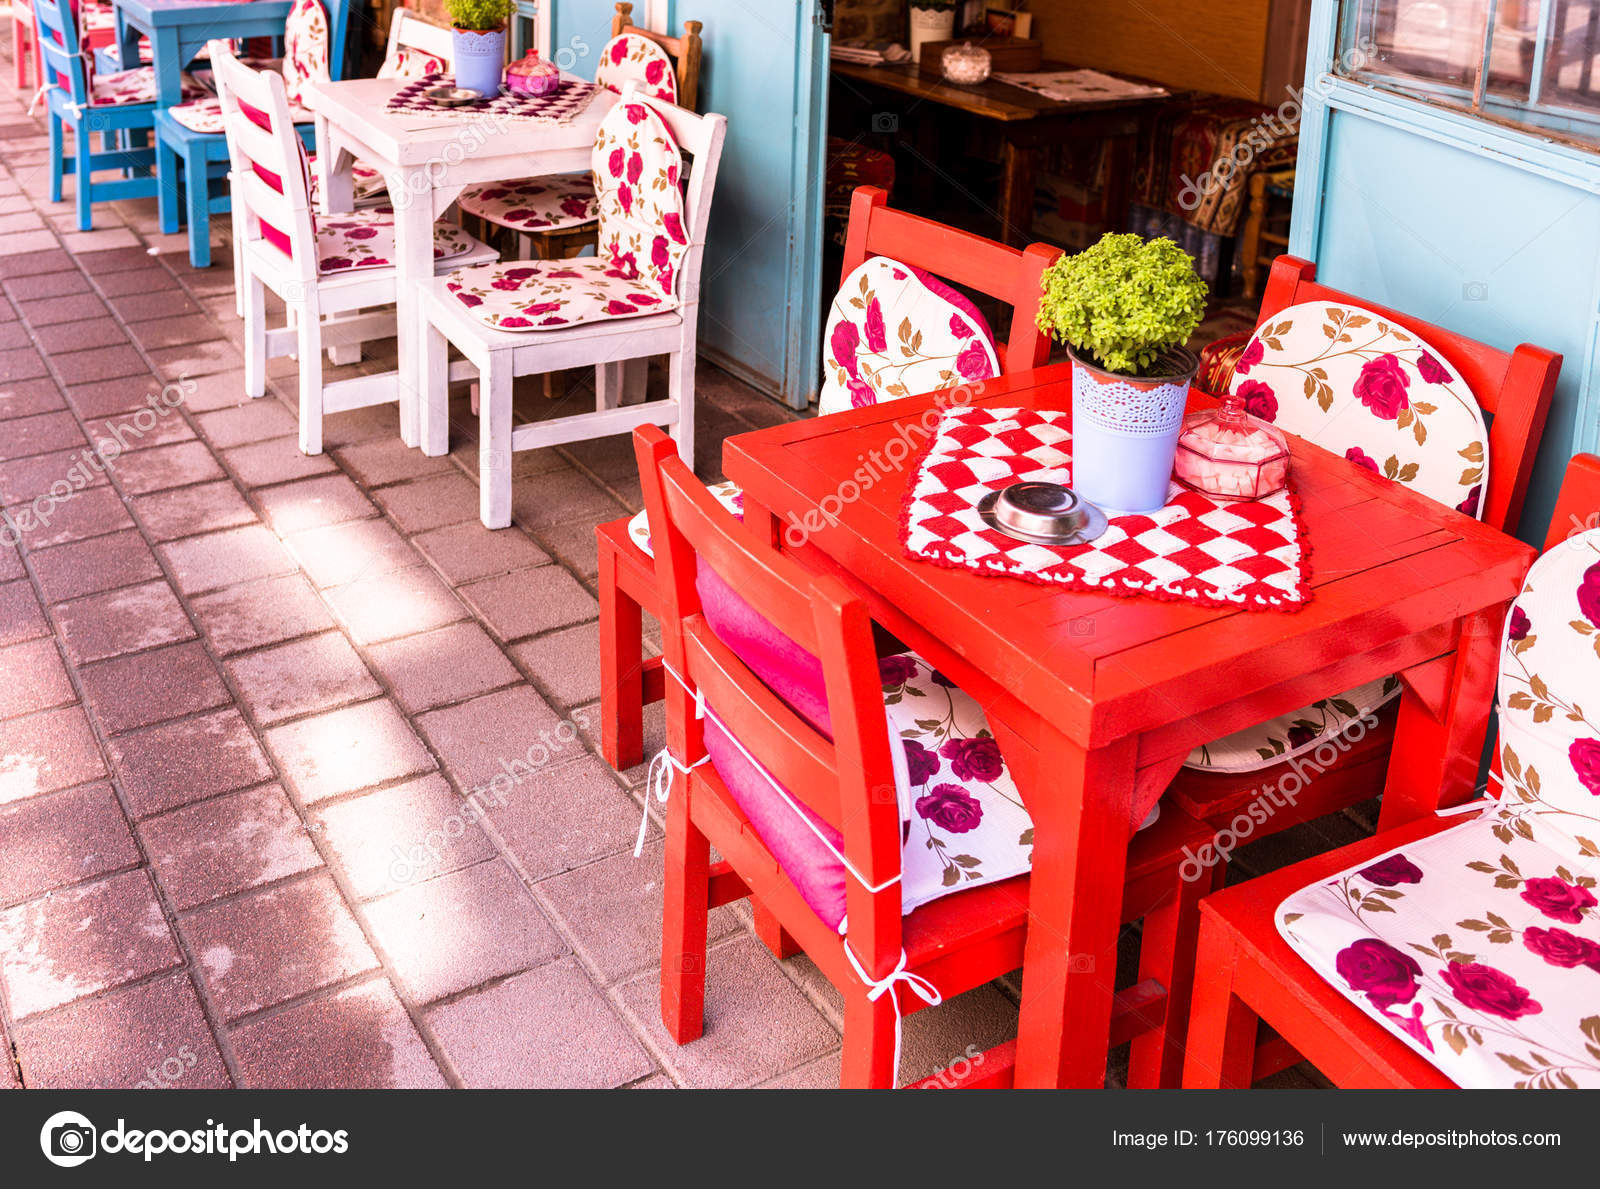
427, 160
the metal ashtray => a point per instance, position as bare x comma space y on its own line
1042, 513
451, 96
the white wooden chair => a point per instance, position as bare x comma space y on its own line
415, 48
320, 272
412, 42
567, 325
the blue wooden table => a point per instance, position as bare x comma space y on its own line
179, 29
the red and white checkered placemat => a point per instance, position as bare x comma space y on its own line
1198, 549
561, 106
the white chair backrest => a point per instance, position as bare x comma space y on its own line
699, 137
408, 31
262, 141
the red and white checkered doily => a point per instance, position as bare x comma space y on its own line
1202, 550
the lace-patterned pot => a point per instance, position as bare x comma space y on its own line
480, 57
1125, 432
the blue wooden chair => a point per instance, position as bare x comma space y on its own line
120, 107
203, 155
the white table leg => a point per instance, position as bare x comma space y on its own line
413, 233
335, 181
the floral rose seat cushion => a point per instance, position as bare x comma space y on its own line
568, 200
365, 239
1353, 383
137, 86
896, 331
629, 58
642, 243
726, 494
535, 204
1479, 946
306, 48
410, 62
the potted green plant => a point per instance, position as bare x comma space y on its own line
480, 42
1125, 307
931, 20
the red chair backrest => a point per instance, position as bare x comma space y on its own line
1578, 504
983, 265
1513, 389
847, 781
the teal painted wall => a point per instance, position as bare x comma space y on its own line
1490, 232
764, 67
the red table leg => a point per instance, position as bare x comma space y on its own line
1080, 802
1436, 756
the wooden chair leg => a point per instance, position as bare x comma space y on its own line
19, 53
868, 1062
196, 193
1167, 954
84, 171
1222, 1027
494, 442
685, 907
773, 935
57, 165
309, 338
434, 406
169, 199
680, 390
1250, 239
253, 303
621, 671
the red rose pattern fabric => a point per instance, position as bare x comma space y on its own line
642, 242
1479, 946
137, 86
1344, 378
890, 334
305, 49
410, 62
535, 204
630, 58
365, 239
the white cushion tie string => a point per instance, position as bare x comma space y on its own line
876, 988
703, 711
659, 785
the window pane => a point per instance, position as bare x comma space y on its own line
1543, 60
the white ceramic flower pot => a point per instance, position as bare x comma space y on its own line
930, 24
1125, 433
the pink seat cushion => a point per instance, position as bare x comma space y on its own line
795, 675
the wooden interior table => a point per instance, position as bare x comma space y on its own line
1025, 122
1096, 700
427, 160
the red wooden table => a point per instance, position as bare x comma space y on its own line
1096, 700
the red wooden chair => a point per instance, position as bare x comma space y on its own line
944, 947
1514, 388
627, 576
1254, 977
